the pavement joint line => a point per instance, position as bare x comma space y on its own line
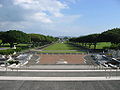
59, 78
61, 70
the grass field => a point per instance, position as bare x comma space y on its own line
61, 46
62, 51
20, 45
101, 45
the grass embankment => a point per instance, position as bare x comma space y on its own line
61, 48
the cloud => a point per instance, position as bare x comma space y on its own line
11, 13
1, 5
68, 19
8, 25
41, 10
36, 16
72, 1
52, 6
43, 17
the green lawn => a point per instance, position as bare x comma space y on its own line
61, 46
0, 41
8, 45
101, 45
20, 45
61, 51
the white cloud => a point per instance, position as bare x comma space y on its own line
68, 19
1, 5
17, 2
8, 25
71, 1
52, 6
42, 17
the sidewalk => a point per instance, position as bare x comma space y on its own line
59, 78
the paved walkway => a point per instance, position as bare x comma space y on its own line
59, 78
63, 67
107, 70
61, 73
59, 85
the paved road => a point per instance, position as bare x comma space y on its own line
59, 85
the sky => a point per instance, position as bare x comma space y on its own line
59, 17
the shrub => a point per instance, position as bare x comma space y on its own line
13, 61
7, 51
92, 55
18, 49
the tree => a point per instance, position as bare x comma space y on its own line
15, 37
38, 39
112, 36
1, 33
91, 39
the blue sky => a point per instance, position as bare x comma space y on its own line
59, 17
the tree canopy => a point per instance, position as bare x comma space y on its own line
112, 36
14, 36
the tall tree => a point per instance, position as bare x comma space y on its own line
15, 36
112, 36
38, 39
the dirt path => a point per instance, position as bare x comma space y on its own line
53, 58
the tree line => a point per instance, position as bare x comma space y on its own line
14, 37
112, 35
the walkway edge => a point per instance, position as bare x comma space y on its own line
59, 78
17, 70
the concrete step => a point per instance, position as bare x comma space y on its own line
63, 67
61, 73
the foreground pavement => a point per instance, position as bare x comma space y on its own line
60, 80
60, 77
59, 85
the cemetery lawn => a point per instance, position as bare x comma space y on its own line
62, 51
101, 45
18, 45
61, 46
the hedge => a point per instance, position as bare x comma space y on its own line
13, 61
9, 51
